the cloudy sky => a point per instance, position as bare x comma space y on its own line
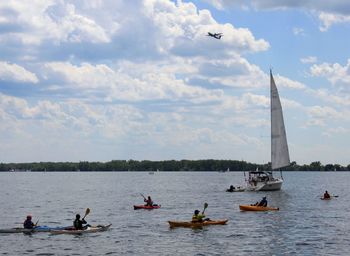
100, 80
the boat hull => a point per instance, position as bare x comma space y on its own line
266, 186
146, 207
94, 229
34, 230
190, 224
255, 208
236, 190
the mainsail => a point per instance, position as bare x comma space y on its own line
279, 146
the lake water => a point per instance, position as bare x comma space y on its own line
305, 225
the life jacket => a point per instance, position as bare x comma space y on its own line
78, 224
198, 217
28, 224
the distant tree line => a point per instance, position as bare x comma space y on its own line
209, 165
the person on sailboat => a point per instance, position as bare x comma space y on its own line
148, 201
326, 195
263, 202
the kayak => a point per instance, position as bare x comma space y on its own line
92, 229
236, 190
257, 208
190, 224
329, 198
34, 230
147, 207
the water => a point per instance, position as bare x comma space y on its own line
305, 225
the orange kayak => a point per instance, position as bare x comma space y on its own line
257, 208
190, 224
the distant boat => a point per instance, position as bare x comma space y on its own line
227, 170
264, 180
150, 172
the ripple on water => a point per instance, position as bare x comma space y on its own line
110, 253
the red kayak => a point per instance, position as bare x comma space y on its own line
146, 207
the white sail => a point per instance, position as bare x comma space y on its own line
279, 146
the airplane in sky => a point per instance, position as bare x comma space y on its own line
215, 35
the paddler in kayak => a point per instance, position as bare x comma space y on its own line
231, 189
28, 222
326, 195
263, 202
200, 217
78, 223
148, 201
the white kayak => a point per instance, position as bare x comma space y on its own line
91, 229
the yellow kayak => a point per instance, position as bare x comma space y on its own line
190, 224
257, 208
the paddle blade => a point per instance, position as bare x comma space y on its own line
87, 211
205, 205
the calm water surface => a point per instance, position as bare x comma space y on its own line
305, 225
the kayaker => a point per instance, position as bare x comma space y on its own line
78, 223
326, 195
148, 201
231, 189
198, 217
263, 202
28, 223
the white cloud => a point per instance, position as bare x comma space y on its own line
298, 31
331, 97
14, 72
102, 81
322, 115
308, 59
184, 29
337, 74
328, 12
288, 83
330, 19
51, 20
339, 129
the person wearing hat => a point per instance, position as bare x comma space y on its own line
263, 202
28, 223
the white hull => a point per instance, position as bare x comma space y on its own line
273, 185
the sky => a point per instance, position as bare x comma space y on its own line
103, 80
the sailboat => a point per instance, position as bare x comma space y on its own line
264, 180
